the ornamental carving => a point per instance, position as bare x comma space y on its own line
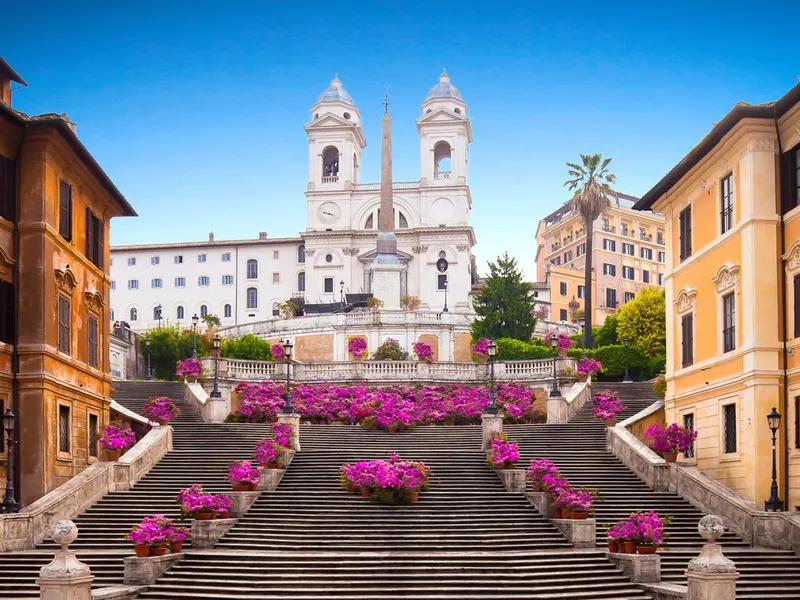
94, 301
310, 251
726, 278
462, 247
685, 301
419, 249
350, 251
792, 257
711, 559
5, 259
65, 279
759, 145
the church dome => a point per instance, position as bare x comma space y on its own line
336, 93
443, 89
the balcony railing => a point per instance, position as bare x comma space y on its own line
442, 175
609, 228
396, 185
660, 240
330, 178
556, 246
646, 237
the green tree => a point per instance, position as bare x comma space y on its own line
247, 347
643, 322
606, 335
504, 303
212, 320
591, 183
168, 345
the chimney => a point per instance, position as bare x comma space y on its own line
211, 236
262, 235
70, 122
7, 77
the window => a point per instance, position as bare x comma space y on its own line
91, 345
645, 276
688, 423
154, 260
627, 273
610, 270
662, 256
64, 323
132, 261
227, 311
627, 248
227, 280
728, 322
611, 298
201, 258
646, 253
113, 285
562, 288
441, 282
155, 283
276, 310
203, 311
94, 426
276, 254
685, 233
181, 312
610, 245
95, 237
687, 340
252, 297
180, 282
133, 284
580, 250
111, 313
64, 427
729, 428
252, 269
563, 314
301, 253
178, 259
328, 282
556, 261
157, 313
329, 258
134, 315
301, 281
797, 305
276, 278
581, 291
226, 257
110, 262
8, 189
726, 202
567, 256
203, 281
7, 319
797, 421
629, 296
65, 210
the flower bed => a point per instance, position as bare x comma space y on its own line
117, 438
161, 409
260, 402
155, 534
503, 454
607, 405
668, 441
642, 532
393, 481
189, 368
243, 476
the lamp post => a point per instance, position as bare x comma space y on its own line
215, 392
10, 505
195, 321
627, 378
287, 396
159, 310
554, 391
492, 407
445, 309
148, 375
582, 322
341, 290
774, 502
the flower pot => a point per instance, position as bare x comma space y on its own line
163, 421
611, 422
272, 465
364, 492
580, 515
113, 455
670, 457
558, 514
629, 547
413, 497
176, 547
243, 486
224, 514
158, 551
646, 549
612, 546
507, 466
204, 516
482, 359
142, 551
566, 513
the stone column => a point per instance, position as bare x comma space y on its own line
492, 424
557, 409
711, 576
65, 578
294, 420
513, 479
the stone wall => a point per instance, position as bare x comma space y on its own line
314, 348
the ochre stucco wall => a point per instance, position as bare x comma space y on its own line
314, 348
463, 343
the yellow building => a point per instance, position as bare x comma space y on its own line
628, 250
732, 210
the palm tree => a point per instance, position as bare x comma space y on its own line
591, 181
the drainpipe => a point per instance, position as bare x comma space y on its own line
15, 401
784, 326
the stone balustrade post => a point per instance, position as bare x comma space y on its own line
491, 424
513, 479
292, 419
65, 578
711, 576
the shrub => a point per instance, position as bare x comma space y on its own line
613, 359
390, 350
423, 351
511, 349
246, 347
168, 345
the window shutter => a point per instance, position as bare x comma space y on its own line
688, 231
92, 345
797, 306
690, 337
90, 247
63, 325
7, 321
100, 248
65, 210
8, 189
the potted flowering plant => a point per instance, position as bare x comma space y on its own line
160, 409
423, 351
503, 454
243, 476
197, 503
266, 454
357, 346
288, 309
480, 351
116, 439
650, 534
538, 468
575, 503
222, 504
176, 535
589, 367
276, 350
282, 434
669, 441
149, 537
374, 303
410, 301
607, 406
393, 481
622, 536
189, 368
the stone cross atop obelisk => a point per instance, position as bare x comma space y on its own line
387, 241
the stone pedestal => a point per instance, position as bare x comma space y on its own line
542, 503
285, 456
270, 478
491, 424
65, 578
206, 533
241, 503
386, 284
557, 409
145, 571
294, 420
711, 576
513, 479
639, 568
711, 586
581, 533
118, 592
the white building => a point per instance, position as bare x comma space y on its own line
244, 281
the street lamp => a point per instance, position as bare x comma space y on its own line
627, 378
582, 322
159, 310
195, 321
287, 396
148, 375
445, 295
215, 392
492, 407
341, 290
10, 505
554, 391
774, 502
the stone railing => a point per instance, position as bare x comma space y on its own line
213, 410
249, 369
25, 529
562, 408
769, 529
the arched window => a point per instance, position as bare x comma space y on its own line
301, 281
134, 315
402, 221
441, 160
252, 269
370, 224
301, 253
276, 311
203, 311
252, 297
227, 311
157, 313
181, 313
330, 163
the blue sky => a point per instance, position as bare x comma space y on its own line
196, 110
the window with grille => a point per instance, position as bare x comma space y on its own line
627, 249
252, 269
685, 232
252, 298
178, 259
729, 428
203, 310
276, 311
226, 257
688, 423
155, 283
687, 340
181, 313
93, 434
63, 324
64, 429
726, 202
7, 311
132, 261
95, 239
629, 296
610, 270
562, 288
728, 322
91, 346
646, 253
301, 254
133, 284
627, 273
610, 245
134, 314
65, 210
276, 254
180, 282
201, 258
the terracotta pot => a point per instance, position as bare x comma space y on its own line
580, 515
646, 549
557, 514
204, 516
482, 359
364, 492
508, 466
113, 455
243, 487
142, 551
414, 497
629, 547
163, 421
612, 546
272, 465
224, 514
670, 457
611, 422
158, 551
566, 513
176, 547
